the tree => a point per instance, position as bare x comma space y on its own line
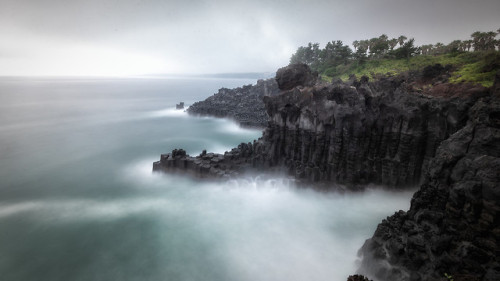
393, 43
364, 45
483, 41
355, 44
438, 48
401, 40
476, 40
468, 45
426, 49
336, 53
454, 47
490, 40
407, 50
308, 55
360, 56
379, 46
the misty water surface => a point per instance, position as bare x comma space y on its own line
78, 200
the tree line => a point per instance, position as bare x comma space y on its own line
336, 53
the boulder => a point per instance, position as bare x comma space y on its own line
295, 75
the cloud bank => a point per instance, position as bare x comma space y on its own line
133, 37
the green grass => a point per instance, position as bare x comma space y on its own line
474, 67
481, 72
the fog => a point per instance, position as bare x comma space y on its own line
133, 37
79, 200
245, 229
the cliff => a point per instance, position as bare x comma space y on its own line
353, 133
453, 225
243, 104
359, 133
397, 131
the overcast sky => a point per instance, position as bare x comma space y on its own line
130, 37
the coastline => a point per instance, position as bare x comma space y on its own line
317, 133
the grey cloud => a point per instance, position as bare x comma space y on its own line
223, 36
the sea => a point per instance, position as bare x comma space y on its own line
79, 200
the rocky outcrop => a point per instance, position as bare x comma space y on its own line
295, 75
453, 225
357, 278
243, 104
381, 132
392, 132
208, 165
368, 133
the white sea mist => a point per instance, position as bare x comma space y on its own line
78, 199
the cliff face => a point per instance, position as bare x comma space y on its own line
453, 225
360, 132
394, 133
352, 133
243, 104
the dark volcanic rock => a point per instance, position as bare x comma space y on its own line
243, 104
384, 132
375, 133
433, 71
207, 165
294, 75
357, 278
453, 225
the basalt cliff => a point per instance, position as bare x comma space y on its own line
409, 130
382, 132
453, 225
243, 104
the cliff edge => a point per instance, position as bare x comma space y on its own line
395, 132
354, 133
243, 104
453, 225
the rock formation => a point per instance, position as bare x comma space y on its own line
382, 132
208, 165
453, 225
179, 106
395, 132
295, 75
243, 104
357, 278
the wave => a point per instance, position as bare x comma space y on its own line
168, 112
230, 126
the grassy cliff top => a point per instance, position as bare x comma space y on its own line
473, 67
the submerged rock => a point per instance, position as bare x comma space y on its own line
179, 106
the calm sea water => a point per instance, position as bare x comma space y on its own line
78, 200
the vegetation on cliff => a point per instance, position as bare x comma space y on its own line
475, 60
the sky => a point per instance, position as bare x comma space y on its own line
144, 37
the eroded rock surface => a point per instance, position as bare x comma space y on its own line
395, 133
355, 133
243, 104
453, 225
294, 75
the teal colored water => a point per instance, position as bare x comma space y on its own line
78, 200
